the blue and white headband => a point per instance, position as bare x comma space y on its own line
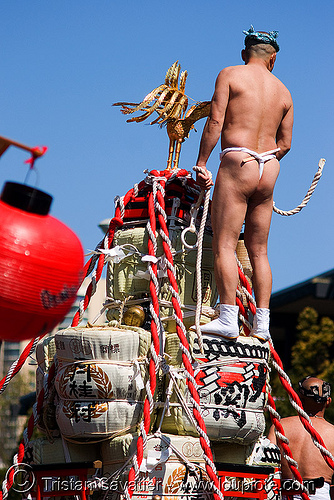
262, 37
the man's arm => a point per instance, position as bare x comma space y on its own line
214, 124
284, 133
272, 435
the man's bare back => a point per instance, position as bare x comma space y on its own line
315, 397
250, 109
257, 103
311, 463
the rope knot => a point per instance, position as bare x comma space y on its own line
164, 365
202, 170
115, 222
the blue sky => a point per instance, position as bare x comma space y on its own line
63, 64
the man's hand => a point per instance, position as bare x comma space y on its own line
204, 178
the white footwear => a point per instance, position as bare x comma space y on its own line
260, 328
226, 325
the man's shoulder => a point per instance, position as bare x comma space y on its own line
290, 421
230, 74
326, 430
281, 84
230, 70
329, 425
237, 67
295, 420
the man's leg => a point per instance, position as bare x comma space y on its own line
228, 212
257, 225
235, 184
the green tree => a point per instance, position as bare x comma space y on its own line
312, 354
11, 423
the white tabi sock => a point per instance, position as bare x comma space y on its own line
260, 328
226, 325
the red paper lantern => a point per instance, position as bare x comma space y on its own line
41, 264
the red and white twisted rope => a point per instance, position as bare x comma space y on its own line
17, 365
181, 332
283, 440
297, 404
156, 332
27, 433
98, 259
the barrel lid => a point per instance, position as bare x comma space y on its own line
26, 198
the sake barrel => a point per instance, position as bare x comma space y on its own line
165, 471
130, 276
232, 381
42, 451
232, 453
261, 452
97, 419
265, 453
86, 380
244, 259
100, 379
102, 343
115, 452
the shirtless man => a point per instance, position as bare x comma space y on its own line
315, 396
250, 109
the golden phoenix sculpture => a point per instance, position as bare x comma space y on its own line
170, 102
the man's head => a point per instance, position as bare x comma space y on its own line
261, 37
315, 393
260, 45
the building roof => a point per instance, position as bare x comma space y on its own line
316, 292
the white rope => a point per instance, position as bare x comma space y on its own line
158, 324
185, 351
281, 437
189, 309
184, 459
199, 258
308, 195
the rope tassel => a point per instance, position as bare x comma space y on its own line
308, 195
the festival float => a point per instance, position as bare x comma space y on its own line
152, 406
